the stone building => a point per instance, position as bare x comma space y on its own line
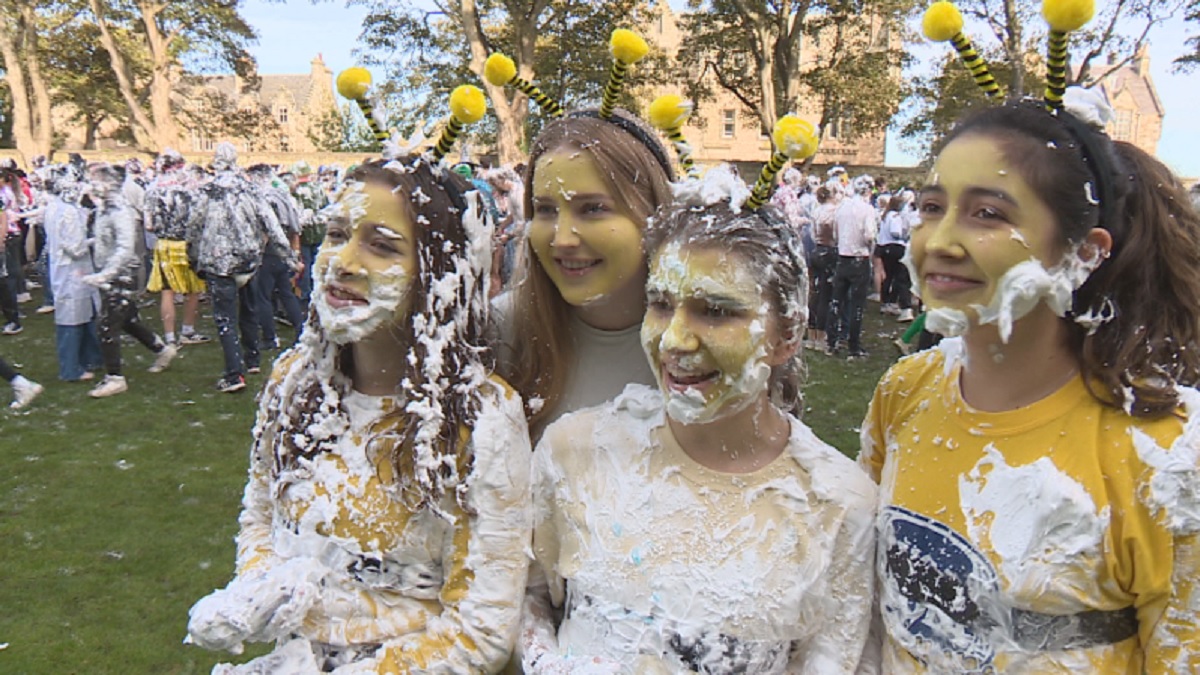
1138, 110
265, 113
729, 132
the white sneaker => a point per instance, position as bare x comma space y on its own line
23, 298
164, 358
111, 385
905, 316
24, 392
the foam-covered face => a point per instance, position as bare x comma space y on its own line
979, 220
580, 234
365, 266
708, 333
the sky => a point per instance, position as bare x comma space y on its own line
291, 34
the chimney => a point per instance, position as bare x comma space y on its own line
1141, 61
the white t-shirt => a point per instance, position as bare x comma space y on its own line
666, 566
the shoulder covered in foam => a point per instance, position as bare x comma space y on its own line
1171, 482
500, 441
835, 477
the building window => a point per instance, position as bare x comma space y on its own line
202, 142
282, 115
728, 123
838, 128
1125, 125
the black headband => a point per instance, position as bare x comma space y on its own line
635, 130
1101, 160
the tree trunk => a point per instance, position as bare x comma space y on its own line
1015, 51
32, 126
510, 113
166, 132
142, 126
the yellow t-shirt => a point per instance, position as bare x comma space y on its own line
1027, 540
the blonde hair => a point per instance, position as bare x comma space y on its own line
640, 183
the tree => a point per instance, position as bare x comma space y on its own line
80, 76
200, 33
22, 37
755, 50
1191, 59
427, 52
1015, 54
341, 130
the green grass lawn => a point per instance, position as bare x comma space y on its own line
117, 514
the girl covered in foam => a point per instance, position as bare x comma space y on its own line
700, 526
1039, 475
386, 519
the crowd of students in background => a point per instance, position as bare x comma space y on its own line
96, 237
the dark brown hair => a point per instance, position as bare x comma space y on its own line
1151, 282
439, 404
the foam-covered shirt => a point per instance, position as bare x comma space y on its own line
433, 595
1032, 540
666, 566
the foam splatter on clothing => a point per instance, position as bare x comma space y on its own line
663, 565
1025, 541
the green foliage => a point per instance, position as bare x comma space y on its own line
949, 95
425, 54
838, 58
341, 130
1191, 59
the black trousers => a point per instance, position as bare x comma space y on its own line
230, 305
897, 283
851, 280
119, 313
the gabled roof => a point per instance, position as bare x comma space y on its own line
270, 86
1114, 80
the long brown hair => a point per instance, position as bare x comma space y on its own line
638, 180
447, 362
1150, 284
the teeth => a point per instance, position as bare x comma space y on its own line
576, 264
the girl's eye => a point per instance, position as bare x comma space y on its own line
384, 245
596, 208
715, 312
544, 209
336, 236
658, 303
929, 208
988, 213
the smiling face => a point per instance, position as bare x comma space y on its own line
709, 333
584, 239
366, 264
979, 220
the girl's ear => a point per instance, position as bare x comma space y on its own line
1097, 242
785, 347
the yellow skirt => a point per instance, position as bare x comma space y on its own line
172, 270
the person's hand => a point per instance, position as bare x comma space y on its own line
294, 657
94, 280
261, 608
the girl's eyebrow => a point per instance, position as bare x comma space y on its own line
385, 231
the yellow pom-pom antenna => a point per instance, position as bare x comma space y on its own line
1063, 16
499, 71
1068, 15
669, 113
354, 83
627, 49
467, 106
942, 21
794, 139
627, 46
